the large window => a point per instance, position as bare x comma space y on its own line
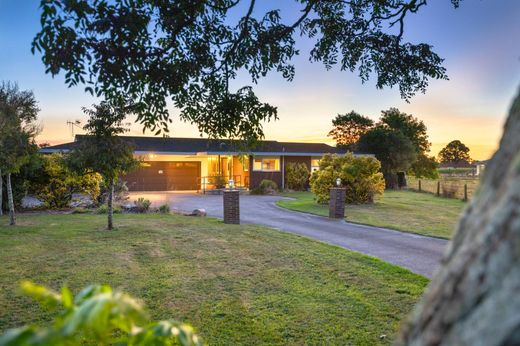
266, 164
315, 164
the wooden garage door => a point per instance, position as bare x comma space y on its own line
165, 176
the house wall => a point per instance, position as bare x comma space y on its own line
255, 177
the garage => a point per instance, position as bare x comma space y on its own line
165, 176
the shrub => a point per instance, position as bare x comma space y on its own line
103, 209
96, 316
296, 176
361, 177
164, 209
57, 184
142, 205
266, 187
120, 192
80, 210
449, 191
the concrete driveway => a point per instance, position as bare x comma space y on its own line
418, 253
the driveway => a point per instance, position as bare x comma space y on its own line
418, 253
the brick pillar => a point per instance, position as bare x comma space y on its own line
337, 202
231, 207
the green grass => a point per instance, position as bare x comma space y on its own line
239, 284
406, 211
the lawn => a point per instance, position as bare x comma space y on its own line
407, 211
235, 284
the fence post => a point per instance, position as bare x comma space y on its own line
438, 188
420, 189
465, 192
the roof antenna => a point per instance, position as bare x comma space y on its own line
73, 124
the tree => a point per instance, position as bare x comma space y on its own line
102, 151
473, 297
455, 152
297, 176
393, 149
149, 52
18, 113
425, 166
347, 128
361, 177
415, 130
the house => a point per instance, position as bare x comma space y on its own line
177, 164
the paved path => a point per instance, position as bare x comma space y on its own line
418, 253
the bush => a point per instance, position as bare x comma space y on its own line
142, 205
120, 192
103, 209
449, 191
164, 209
296, 176
266, 187
361, 177
96, 316
57, 184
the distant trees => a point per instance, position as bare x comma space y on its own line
455, 152
18, 127
392, 148
102, 151
398, 140
348, 128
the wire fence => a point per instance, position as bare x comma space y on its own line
450, 187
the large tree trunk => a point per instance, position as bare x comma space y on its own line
110, 202
1, 194
12, 216
474, 298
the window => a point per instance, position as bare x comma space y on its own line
266, 164
315, 164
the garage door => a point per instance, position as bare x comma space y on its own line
165, 176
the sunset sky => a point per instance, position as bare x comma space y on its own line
480, 42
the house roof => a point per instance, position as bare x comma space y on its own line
169, 145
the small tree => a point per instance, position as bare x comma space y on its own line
102, 151
18, 113
297, 176
393, 149
455, 152
347, 128
359, 175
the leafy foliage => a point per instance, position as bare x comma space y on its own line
359, 175
393, 149
98, 315
296, 176
455, 152
266, 187
142, 205
147, 52
347, 128
57, 184
164, 208
425, 167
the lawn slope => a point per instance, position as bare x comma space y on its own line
236, 284
406, 211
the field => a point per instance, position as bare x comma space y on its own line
450, 186
406, 211
237, 285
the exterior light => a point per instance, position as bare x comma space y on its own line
338, 182
231, 183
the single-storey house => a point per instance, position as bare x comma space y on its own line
177, 164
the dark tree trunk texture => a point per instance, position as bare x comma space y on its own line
110, 202
12, 216
474, 298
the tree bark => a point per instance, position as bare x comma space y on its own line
474, 298
110, 202
1, 194
12, 216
